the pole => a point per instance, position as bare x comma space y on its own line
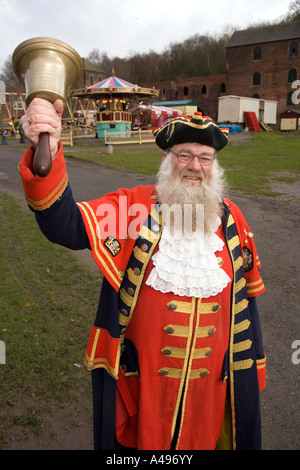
2, 101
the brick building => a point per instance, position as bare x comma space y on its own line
204, 90
91, 75
263, 63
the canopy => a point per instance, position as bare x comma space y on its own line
113, 82
114, 87
158, 113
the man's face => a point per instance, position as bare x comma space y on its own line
192, 172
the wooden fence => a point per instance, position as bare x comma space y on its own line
129, 137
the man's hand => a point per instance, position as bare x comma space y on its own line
42, 116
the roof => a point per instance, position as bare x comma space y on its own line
113, 82
88, 65
175, 103
271, 33
290, 112
156, 109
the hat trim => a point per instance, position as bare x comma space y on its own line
171, 125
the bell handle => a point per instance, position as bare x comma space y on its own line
42, 160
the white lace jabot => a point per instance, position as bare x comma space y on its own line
188, 266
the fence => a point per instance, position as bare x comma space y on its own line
129, 137
67, 138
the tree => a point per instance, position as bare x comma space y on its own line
293, 12
100, 59
10, 78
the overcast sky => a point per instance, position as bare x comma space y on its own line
123, 27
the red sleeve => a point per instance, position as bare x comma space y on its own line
261, 372
41, 193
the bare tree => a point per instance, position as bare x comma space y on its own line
293, 12
9, 77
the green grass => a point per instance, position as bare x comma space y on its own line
249, 164
48, 304
135, 159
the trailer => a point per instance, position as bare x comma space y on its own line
231, 109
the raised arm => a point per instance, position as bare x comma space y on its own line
50, 197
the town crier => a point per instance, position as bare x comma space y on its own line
176, 349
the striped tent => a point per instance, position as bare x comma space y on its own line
158, 113
115, 87
113, 82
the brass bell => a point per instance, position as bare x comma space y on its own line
49, 68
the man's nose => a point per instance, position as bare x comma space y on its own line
194, 164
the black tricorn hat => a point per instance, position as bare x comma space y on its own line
198, 128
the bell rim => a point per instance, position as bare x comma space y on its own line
51, 44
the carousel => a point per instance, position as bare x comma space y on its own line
112, 98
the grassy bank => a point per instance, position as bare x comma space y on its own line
48, 304
250, 164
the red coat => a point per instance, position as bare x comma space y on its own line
195, 350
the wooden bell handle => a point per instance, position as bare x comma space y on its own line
42, 160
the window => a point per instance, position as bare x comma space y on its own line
185, 91
91, 79
292, 75
203, 91
256, 78
294, 49
257, 53
256, 95
222, 88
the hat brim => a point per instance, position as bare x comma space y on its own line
199, 129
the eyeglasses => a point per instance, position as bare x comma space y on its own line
184, 157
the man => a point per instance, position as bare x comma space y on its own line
175, 351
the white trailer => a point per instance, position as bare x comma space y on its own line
231, 109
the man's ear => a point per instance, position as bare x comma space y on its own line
164, 156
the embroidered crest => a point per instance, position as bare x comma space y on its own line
113, 245
248, 259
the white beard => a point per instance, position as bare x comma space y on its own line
189, 208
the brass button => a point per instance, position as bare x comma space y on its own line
215, 308
172, 306
89, 365
123, 347
167, 352
220, 261
203, 373
211, 331
130, 291
155, 228
154, 196
121, 274
124, 312
169, 330
163, 372
208, 353
123, 331
144, 247
137, 271
124, 368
